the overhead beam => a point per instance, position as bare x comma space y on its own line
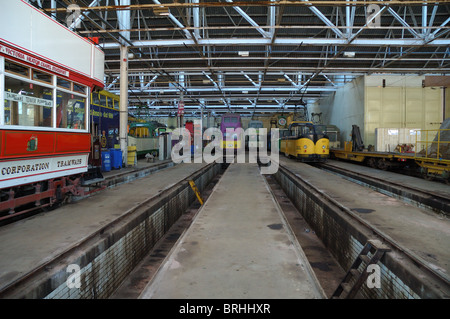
176, 21
258, 4
250, 79
265, 34
440, 27
286, 41
236, 89
322, 17
292, 82
196, 18
78, 20
404, 23
124, 20
431, 22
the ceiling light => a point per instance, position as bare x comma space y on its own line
161, 11
243, 53
349, 54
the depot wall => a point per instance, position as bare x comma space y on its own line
385, 101
344, 108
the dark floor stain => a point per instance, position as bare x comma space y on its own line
174, 236
432, 256
275, 226
363, 210
320, 265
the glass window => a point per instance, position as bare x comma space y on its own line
95, 99
27, 104
64, 83
16, 68
255, 125
307, 130
70, 111
102, 100
116, 104
79, 88
40, 76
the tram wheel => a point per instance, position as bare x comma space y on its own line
372, 162
382, 164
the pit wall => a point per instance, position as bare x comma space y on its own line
400, 279
105, 259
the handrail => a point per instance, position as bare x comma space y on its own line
428, 144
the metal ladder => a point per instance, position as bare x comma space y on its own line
346, 290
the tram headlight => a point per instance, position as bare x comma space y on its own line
324, 146
305, 147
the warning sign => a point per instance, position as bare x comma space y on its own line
180, 108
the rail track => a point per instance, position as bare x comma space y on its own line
419, 197
438, 275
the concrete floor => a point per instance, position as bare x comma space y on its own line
238, 247
28, 243
389, 176
423, 233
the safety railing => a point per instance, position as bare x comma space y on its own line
433, 144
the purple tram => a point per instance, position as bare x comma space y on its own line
233, 139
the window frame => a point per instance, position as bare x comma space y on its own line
53, 86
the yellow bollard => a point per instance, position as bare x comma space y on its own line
132, 157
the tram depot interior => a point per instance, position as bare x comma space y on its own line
343, 190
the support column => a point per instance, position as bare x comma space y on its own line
124, 103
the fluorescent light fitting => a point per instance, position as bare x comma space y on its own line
349, 54
161, 11
243, 53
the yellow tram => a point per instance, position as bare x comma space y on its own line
306, 142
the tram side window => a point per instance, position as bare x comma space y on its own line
17, 69
64, 83
70, 111
95, 99
116, 104
102, 100
79, 88
27, 104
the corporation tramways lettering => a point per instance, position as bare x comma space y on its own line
12, 170
72, 162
